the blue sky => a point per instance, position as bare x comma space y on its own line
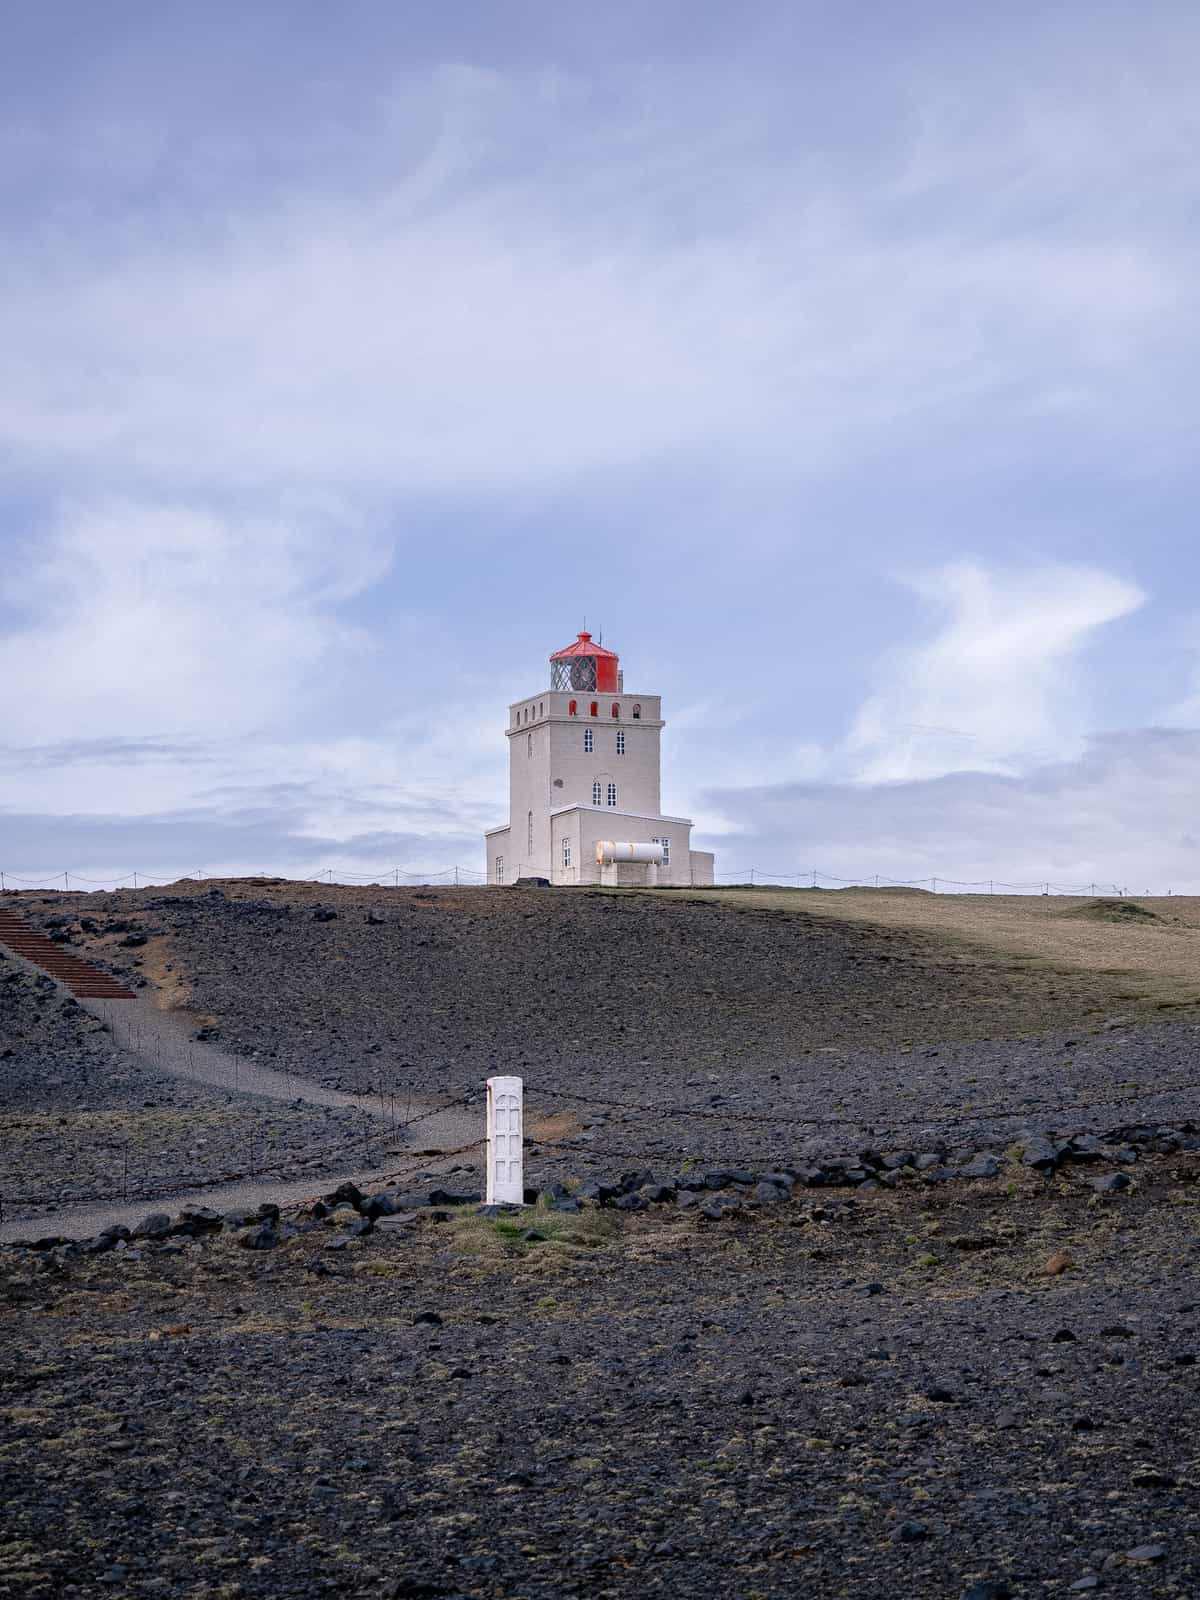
838, 361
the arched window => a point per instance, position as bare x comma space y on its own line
528, 744
620, 741
637, 713
597, 793
612, 794
589, 741
572, 708
595, 708
616, 710
529, 827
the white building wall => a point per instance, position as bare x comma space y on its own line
621, 825
551, 777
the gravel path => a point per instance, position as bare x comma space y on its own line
167, 1040
81, 1222
160, 1042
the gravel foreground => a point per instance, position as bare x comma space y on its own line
980, 1389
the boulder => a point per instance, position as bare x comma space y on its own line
156, 1226
261, 1236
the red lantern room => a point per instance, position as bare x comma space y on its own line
584, 666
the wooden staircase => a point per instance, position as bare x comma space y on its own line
78, 977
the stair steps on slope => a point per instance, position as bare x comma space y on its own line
80, 978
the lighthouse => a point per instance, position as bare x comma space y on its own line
584, 784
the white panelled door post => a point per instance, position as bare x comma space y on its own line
505, 1137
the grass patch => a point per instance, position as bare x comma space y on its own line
506, 1235
1121, 913
1152, 943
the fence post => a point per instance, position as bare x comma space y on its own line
505, 1139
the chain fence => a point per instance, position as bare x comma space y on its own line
465, 877
147, 1186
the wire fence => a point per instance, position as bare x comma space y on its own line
139, 1184
462, 877
786, 1126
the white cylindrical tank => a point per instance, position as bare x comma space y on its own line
610, 850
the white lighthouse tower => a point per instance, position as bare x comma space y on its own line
585, 792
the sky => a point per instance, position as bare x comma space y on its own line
838, 361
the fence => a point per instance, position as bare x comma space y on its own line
397, 877
505, 1135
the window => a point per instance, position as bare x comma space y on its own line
637, 713
589, 741
596, 792
620, 741
530, 833
612, 794
666, 847
572, 708
499, 869
541, 708
616, 710
528, 744
566, 852
595, 708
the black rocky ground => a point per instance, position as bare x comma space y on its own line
957, 1359
350, 985
975, 1388
80, 1117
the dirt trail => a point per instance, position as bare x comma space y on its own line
81, 1222
162, 1040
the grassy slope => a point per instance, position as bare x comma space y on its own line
1156, 958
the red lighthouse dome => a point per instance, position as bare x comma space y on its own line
584, 666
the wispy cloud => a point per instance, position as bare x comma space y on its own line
998, 685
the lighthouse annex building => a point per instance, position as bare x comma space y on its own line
585, 801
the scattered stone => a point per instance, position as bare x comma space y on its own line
988, 1589
1147, 1477
156, 1226
984, 1165
1144, 1553
427, 1319
1038, 1152
769, 1194
200, 1216
911, 1532
1111, 1182
260, 1237
454, 1197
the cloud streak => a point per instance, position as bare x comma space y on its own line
999, 684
